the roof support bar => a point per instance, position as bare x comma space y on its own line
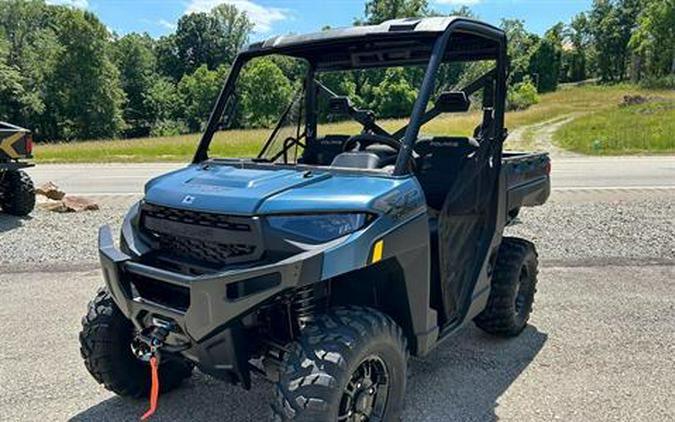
421, 104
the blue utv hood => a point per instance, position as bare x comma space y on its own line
232, 190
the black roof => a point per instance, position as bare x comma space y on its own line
398, 41
400, 27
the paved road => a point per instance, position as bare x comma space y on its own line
568, 174
600, 347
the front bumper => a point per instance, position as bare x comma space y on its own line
209, 326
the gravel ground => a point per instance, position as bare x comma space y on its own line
49, 239
565, 229
615, 230
600, 347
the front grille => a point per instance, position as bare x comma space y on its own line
205, 251
212, 239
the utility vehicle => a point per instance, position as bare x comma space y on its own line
17, 193
326, 260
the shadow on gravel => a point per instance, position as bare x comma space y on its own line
10, 222
465, 376
461, 380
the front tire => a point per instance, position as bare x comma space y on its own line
350, 364
18, 193
514, 283
105, 345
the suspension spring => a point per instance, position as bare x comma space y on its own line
307, 302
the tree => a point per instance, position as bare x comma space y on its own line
545, 59
265, 93
627, 11
162, 100
521, 95
545, 65
604, 22
10, 83
67, 86
293, 68
378, 11
577, 44
394, 97
168, 62
612, 24
653, 41
164, 103
520, 47
464, 11
212, 38
134, 56
31, 50
198, 92
197, 41
86, 103
235, 27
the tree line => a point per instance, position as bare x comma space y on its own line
66, 76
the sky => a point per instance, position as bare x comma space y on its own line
275, 17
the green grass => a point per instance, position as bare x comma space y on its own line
246, 143
646, 128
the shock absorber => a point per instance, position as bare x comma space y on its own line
289, 315
307, 302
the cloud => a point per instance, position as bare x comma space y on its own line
459, 2
263, 17
166, 24
82, 4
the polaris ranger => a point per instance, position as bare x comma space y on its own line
17, 193
326, 260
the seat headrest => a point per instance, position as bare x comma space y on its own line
357, 160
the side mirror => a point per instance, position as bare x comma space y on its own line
452, 102
339, 105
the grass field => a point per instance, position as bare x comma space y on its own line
638, 129
242, 143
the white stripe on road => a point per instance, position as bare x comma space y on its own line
636, 188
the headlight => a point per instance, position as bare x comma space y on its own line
319, 227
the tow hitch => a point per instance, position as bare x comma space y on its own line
146, 347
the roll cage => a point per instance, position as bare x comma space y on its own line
403, 42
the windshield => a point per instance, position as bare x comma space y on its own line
284, 109
265, 114
266, 102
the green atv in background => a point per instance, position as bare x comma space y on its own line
17, 193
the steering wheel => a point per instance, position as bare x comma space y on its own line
365, 140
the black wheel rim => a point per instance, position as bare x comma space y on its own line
365, 396
522, 293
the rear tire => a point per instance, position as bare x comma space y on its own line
351, 358
105, 346
514, 283
18, 193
